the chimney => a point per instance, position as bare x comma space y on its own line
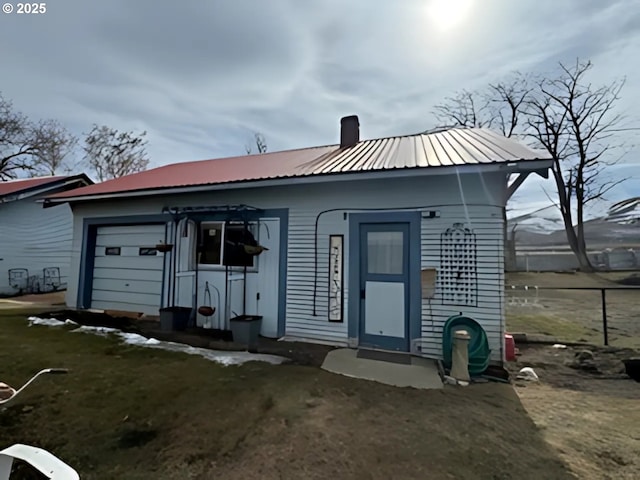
349, 131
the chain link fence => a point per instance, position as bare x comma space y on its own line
594, 315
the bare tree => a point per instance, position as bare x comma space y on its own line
502, 105
31, 148
261, 144
54, 144
465, 109
16, 142
576, 122
564, 114
508, 103
113, 154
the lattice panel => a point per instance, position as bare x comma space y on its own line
458, 275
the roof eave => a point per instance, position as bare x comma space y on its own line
535, 165
44, 188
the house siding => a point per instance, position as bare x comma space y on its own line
329, 205
34, 238
486, 223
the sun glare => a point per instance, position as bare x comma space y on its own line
446, 14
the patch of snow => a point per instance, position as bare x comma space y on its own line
49, 322
97, 330
226, 358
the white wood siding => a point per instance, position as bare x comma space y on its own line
34, 238
481, 193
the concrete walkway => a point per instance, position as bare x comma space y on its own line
422, 373
43, 300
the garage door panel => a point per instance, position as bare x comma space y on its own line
128, 281
128, 240
130, 273
127, 251
128, 286
132, 229
136, 298
126, 263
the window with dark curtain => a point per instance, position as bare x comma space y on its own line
211, 244
236, 237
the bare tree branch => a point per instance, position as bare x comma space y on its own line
261, 144
113, 154
54, 144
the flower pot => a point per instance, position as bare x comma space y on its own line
254, 249
174, 318
632, 367
246, 329
206, 310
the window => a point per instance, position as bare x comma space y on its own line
147, 251
385, 252
211, 244
112, 250
223, 244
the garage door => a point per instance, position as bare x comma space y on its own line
127, 273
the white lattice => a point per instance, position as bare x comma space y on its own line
458, 266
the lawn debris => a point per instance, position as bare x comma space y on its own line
528, 374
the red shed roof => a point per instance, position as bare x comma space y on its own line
453, 147
10, 187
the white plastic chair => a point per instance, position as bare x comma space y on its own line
46, 463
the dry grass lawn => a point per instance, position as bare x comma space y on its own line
134, 413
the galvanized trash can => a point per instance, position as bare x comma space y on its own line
246, 330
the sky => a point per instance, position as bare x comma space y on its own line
202, 76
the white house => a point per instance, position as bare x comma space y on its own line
370, 243
35, 244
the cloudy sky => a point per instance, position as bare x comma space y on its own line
201, 75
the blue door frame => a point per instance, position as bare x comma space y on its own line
359, 225
370, 339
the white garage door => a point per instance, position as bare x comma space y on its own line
127, 273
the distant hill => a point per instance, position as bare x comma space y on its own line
544, 227
625, 212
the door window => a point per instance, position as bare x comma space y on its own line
385, 253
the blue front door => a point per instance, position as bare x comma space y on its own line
384, 285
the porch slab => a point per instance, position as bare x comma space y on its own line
422, 373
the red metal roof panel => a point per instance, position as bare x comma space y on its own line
11, 187
447, 148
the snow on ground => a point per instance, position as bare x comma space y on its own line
223, 357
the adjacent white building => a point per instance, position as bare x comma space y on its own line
35, 244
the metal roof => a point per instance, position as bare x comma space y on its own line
426, 150
10, 187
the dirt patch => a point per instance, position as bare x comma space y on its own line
589, 415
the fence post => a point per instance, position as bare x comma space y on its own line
604, 316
